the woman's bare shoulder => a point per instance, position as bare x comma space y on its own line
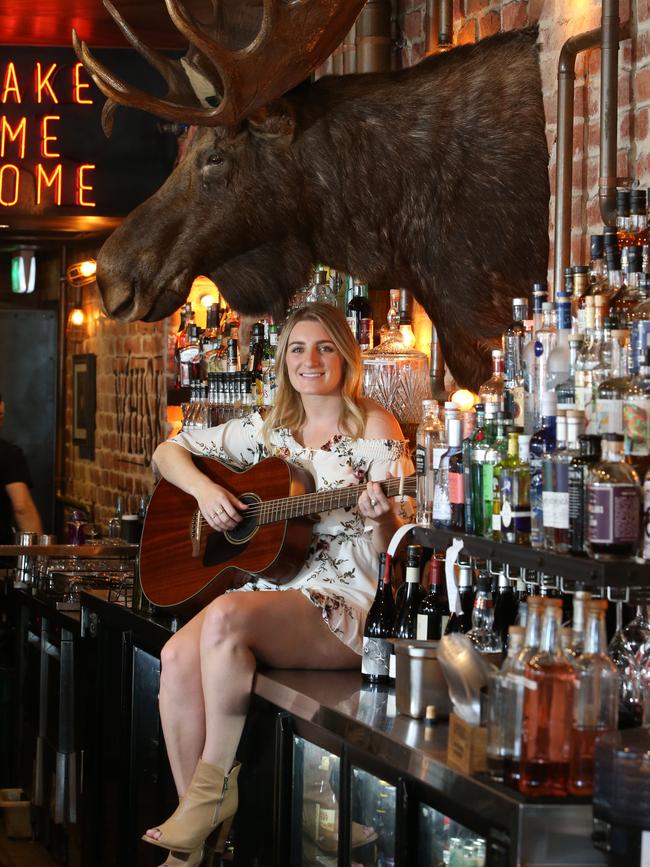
380, 424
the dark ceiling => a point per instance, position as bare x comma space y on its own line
49, 22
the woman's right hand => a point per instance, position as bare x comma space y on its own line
219, 507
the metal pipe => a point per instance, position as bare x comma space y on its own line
566, 76
608, 109
564, 163
373, 37
437, 368
446, 23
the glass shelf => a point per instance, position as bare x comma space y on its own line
585, 570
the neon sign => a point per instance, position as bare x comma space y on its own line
33, 170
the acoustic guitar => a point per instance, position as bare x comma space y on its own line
185, 563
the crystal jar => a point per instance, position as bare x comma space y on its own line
397, 377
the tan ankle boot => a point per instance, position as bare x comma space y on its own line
209, 803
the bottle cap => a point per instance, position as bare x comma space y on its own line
430, 713
539, 288
548, 306
520, 302
484, 583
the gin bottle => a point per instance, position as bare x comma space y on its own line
588, 455
505, 700
492, 390
429, 448
613, 503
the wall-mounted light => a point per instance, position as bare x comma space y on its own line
463, 398
81, 273
78, 275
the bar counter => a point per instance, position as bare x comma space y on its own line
117, 678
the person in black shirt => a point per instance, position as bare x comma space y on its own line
17, 508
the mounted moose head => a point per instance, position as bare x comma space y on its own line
433, 178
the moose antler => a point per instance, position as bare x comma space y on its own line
294, 37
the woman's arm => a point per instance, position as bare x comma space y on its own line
218, 506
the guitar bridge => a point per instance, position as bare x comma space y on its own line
195, 533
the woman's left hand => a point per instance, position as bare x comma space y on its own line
373, 503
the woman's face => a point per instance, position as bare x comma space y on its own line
314, 364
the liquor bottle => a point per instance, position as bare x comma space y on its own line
490, 469
478, 453
482, 634
545, 341
379, 628
514, 338
407, 613
469, 443
514, 493
430, 446
505, 701
463, 622
508, 462
268, 367
557, 526
456, 486
232, 355
512, 757
542, 442
559, 360
576, 642
613, 504
589, 357
505, 609
442, 506
390, 331
433, 613
597, 265
565, 392
358, 308
540, 295
630, 295
596, 700
636, 412
610, 391
548, 712
623, 234
583, 290
492, 390
588, 455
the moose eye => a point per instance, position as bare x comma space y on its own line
215, 160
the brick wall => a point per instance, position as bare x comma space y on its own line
130, 398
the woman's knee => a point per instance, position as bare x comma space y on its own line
225, 620
178, 661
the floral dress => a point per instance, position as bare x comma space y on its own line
340, 573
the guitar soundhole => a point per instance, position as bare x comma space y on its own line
247, 527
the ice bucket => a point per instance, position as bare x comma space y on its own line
419, 680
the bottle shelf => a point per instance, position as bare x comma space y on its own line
583, 570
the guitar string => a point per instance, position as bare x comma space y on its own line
273, 510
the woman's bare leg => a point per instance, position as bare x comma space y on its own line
280, 629
182, 711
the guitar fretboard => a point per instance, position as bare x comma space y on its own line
283, 509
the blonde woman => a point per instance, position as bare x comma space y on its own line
321, 422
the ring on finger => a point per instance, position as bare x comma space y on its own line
373, 502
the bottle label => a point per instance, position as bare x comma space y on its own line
456, 488
420, 460
327, 820
646, 520
375, 658
437, 456
427, 624
613, 514
609, 415
636, 426
506, 514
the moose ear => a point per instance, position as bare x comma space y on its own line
274, 121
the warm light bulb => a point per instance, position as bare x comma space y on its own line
408, 338
88, 268
207, 300
464, 399
76, 316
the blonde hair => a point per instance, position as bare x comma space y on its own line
288, 410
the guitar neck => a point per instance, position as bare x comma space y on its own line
326, 501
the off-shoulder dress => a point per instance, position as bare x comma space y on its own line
340, 573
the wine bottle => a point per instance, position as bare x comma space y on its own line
379, 627
406, 620
463, 622
433, 612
